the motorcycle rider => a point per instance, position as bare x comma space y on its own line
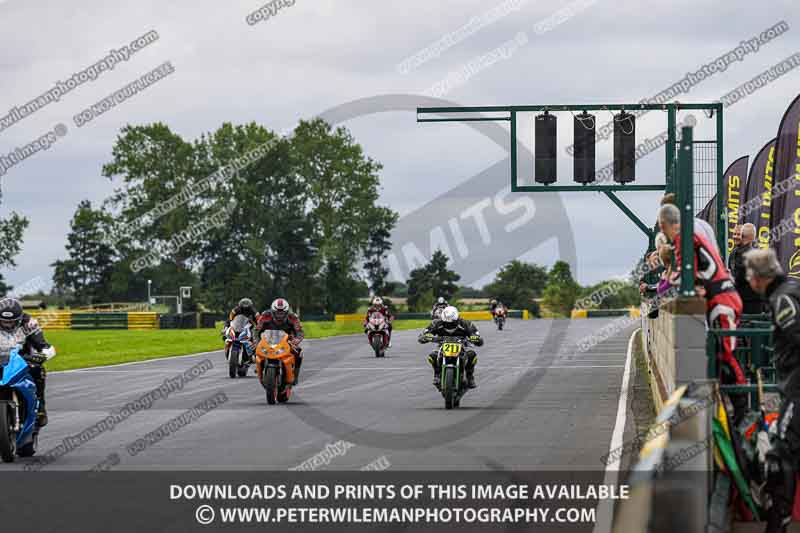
493, 305
280, 317
244, 307
451, 325
26, 331
439, 304
766, 277
377, 306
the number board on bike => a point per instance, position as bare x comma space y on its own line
451, 349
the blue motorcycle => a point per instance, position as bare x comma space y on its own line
19, 432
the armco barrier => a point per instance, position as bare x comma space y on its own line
142, 320
100, 321
56, 320
53, 319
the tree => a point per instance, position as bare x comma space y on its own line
86, 274
517, 284
155, 165
11, 232
378, 244
431, 281
561, 290
342, 185
610, 294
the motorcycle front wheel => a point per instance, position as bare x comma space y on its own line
449, 389
233, 361
271, 384
8, 437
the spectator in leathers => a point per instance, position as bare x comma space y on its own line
766, 277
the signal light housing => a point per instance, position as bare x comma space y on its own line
583, 156
545, 148
624, 147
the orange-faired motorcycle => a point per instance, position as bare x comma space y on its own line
275, 365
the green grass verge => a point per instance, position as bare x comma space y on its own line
82, 349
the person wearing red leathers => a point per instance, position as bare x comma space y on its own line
377, 306
723, 304
280, 317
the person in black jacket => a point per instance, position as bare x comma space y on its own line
783, 294
451, 325
744, 239
244, 307
19, 328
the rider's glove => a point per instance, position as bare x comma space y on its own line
474, 339
426, 337
49, 352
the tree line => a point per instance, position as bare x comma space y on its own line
302, 222
518, 285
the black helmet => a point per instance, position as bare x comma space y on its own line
246, 304
10, 314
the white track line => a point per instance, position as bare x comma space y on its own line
605, 508
103, 367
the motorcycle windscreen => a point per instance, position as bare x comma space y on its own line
12, 365
376, 319
240, 322
273, 337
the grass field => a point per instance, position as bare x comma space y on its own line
82, 349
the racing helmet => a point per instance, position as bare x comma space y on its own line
377, 301
279, 309
10, 314
246, 304
450, 318
441, 301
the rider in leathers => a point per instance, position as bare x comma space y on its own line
451, 325
783, 294
438, 305
377, 306
279, 317
25, 330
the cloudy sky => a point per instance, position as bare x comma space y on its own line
340, 59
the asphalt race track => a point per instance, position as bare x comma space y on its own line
539, 405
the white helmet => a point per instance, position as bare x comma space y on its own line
280, 309
377, 301
441, 300
449, 314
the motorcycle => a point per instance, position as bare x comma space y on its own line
453, 358
500, 315
239, 349
275, 365
378, 333
19, 432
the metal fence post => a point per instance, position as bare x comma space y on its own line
721, 223
685, 200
